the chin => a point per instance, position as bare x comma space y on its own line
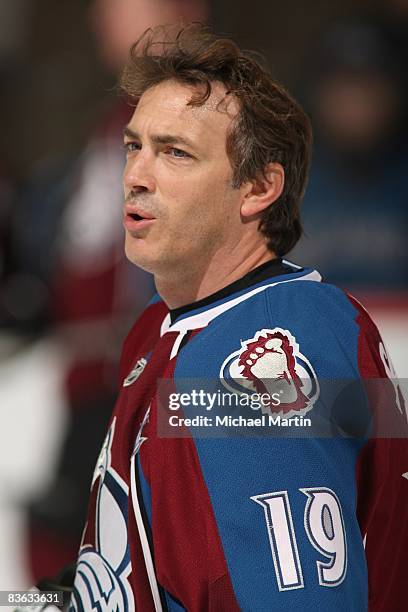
141, 259
141, 262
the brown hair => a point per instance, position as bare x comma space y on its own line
270, 127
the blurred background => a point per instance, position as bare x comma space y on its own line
68, 296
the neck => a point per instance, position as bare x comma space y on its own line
190, 285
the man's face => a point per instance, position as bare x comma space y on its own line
181, 209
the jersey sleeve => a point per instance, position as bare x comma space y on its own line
382, 472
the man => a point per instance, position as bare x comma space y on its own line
217, 159
97, 292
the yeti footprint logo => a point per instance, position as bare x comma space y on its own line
271, 363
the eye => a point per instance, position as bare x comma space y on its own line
130, 146
174, 152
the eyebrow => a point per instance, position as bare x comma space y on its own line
161, 138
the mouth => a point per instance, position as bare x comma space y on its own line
134, 221
136, 217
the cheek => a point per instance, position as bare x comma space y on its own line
183, 200
197, 201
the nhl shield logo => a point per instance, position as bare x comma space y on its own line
136, 371
271, 363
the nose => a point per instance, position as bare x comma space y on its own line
138, 173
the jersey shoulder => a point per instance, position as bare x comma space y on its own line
334, 318
143, 335
314, 321
329, 306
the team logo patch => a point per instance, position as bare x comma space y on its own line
103, 567
271, 363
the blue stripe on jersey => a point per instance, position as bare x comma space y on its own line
235, 470
319, 316
173, 605
274, 279
323, 322
154, 300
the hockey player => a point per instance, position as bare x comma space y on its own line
212, 517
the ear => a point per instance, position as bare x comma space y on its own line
263, 191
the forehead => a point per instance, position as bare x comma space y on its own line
165, 108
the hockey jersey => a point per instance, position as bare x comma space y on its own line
232, 517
